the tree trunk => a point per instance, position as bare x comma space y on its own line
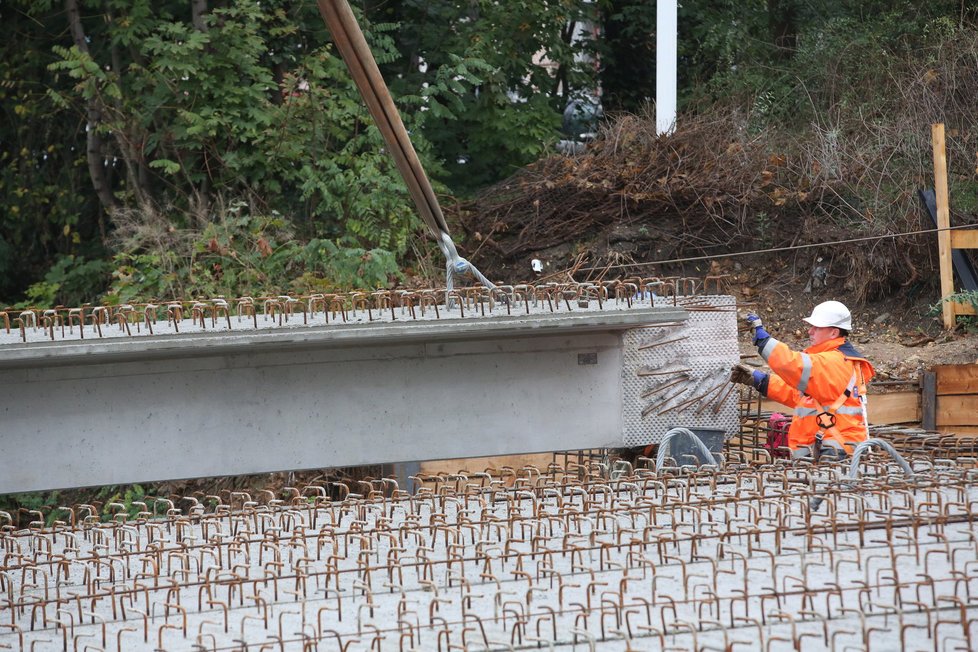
560, 89
95, 146
782, 23
198, 8
278, 73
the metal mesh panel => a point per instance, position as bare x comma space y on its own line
677, 375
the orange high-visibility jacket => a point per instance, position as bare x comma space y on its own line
812, 381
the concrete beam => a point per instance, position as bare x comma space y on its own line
80, 413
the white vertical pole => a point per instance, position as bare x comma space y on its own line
666, 54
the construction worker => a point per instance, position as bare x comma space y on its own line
825, 384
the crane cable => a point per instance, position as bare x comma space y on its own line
735, 254
354, 50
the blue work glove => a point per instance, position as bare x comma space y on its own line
759, 381
760, 335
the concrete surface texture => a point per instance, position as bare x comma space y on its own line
565, 558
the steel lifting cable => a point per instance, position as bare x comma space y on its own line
734, 254
354, 50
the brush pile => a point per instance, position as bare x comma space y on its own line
715, 186
699, 185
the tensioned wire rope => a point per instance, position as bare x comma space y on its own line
771, 250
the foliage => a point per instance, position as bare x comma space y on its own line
488, 57
800, 61
243, 254
68, 282
45, 209
184, 115
51, 506
967, 297
199, 116
130, 500
150, 112
824, 112
627, 54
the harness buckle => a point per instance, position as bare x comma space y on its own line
827, 422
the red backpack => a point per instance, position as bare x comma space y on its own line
777, 435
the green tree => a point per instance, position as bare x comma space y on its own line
627, 53
793, 60
143, 118
46, 208
135, 124
508, 69
131, 127
242, 101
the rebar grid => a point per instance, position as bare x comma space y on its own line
176, 316
611, 557
909, 441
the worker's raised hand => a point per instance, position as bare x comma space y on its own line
757, 328
742, 375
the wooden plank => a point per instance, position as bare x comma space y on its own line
961, 308
956, 379
965, 239
892, 408
961, 410
928, 400
943, 222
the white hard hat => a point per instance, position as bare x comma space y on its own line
831, 314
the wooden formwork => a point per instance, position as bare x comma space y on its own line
949, 399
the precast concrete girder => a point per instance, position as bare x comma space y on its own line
92, 412
368, 387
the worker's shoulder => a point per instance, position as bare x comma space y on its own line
850, 352
836, 350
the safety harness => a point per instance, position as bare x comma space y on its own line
826, 419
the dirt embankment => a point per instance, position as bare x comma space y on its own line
706, 199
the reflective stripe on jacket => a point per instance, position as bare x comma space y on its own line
811, 381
